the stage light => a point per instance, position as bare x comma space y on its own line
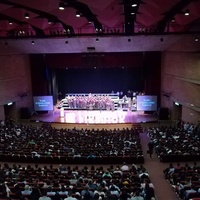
173, 20
61, 6
176, 103
97, 40
10, 22
49, 21
32, 42
10, 103
26, 16
78, 14
134, 5
187, 12
196, 39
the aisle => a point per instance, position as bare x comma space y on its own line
155, 168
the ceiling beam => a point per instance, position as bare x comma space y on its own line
176, 9
85, 11
41, 14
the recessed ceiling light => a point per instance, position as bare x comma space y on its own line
61, 6
26, 16
78, 14
187, 12
134, 5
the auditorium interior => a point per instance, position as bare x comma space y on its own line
87, 86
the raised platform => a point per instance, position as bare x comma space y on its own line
94, 116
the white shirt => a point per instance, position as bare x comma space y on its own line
125, 168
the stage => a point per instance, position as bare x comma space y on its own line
94, 116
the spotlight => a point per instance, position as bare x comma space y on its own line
26, 16
61, 6
196, 39
49, 21
32, 42
78, 14
173, 20
10, 22
176, 103
187, 12
134, 5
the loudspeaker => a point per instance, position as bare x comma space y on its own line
25, 113
163, 113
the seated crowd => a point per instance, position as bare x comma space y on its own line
179, 142
21, 142
185, 179
124, 182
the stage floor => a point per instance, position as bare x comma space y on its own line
94, 116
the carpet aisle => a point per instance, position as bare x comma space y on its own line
155, 168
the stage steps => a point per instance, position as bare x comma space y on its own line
46, 125
138, 126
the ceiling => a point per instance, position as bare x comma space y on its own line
98, 18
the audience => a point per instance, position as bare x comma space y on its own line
83, 144
37, 183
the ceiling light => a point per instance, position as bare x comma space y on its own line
26, 15
61, 6
187, 12
176, 103
132, 13
134, 5
78, 14
49, 21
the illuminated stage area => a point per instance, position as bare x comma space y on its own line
94, 116
96, 109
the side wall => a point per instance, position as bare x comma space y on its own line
180, 82
15, 84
